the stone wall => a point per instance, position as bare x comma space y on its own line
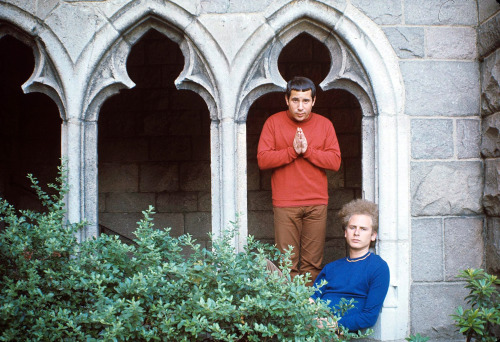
154, 147
154, 141
436, 43
489, 53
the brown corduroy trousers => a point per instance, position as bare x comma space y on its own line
304, 228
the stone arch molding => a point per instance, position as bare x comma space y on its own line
345, 71
45, 77
110, 74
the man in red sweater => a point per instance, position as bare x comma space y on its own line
299, 145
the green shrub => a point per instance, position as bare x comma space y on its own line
479, 321
160, 289
417, 338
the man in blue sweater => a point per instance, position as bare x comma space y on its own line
362, 275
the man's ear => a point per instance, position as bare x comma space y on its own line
286, 99
374, 236
314, 100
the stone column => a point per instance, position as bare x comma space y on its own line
490, 150
71, 140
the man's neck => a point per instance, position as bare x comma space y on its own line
357, 253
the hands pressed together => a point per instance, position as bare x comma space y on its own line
300, 142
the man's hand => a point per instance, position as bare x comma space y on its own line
300, 142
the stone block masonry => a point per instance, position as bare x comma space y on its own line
154, 148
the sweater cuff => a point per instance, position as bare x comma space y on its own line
292, 153
308, 152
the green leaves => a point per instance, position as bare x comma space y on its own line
159, 288
479, 320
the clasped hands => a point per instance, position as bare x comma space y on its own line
300, 142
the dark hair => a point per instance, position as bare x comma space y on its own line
299, 83
359, 207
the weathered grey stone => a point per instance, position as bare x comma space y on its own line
463, 245
336, 179
493, 245
385, 12
195, 176
118, 177
490, 143
431, 138
261, 224
205, 201
101, 202
123, 150
441, 88
175, 221
253, 175
170, 148
489, 36
224, 6
468, 138
431, 306
80, 16
490, 74
198, 224
124, 223
334, 249
159, 177
223, 27
265, 179
129, 202
339, 197
172, 202
487, 8
350, 145
427, 249
352, 175
334, 225
260, 200
408, 42
450, 42
441, 12
491, 198
446, 188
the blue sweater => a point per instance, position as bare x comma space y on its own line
366, 279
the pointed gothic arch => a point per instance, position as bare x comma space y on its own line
364, 64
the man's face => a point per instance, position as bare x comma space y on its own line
359, 232
300, 104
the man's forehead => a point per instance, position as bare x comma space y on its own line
301, 93
361, 219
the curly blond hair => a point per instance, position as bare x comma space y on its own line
359, 207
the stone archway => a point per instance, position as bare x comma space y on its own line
154, 147
365, 65
30, 126
339, 106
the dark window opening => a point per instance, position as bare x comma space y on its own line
154, 147
30, 129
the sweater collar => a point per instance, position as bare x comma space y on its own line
297, 122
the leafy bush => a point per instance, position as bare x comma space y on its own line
160, 289
417, 338
479, 321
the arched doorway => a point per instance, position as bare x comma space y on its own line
154, 147
342, 108
30, 129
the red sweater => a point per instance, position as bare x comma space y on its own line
298, 180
